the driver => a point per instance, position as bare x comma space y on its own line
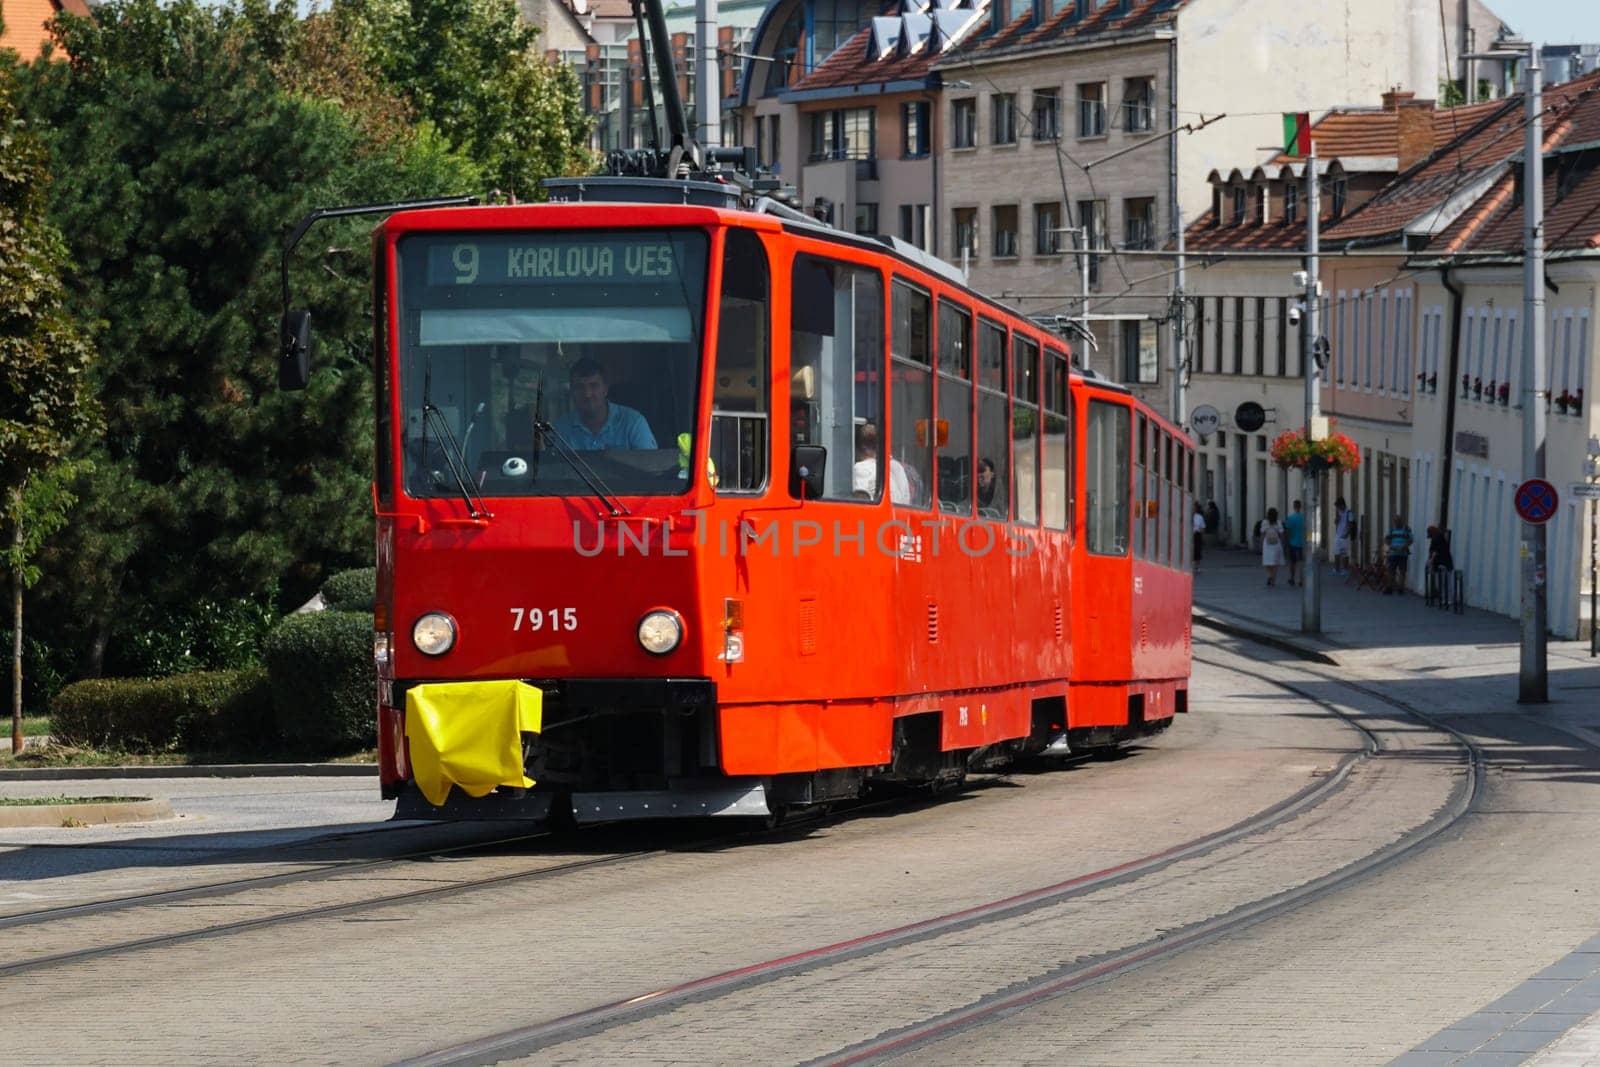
595, 424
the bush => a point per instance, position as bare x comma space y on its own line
324, 685
209, 635
204, 709
355, 590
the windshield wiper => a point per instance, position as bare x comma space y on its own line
476, 507
577, 463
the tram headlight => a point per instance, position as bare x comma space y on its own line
434, 634
660, 632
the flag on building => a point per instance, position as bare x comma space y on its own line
1297, 134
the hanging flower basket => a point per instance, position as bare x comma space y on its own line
1335, 451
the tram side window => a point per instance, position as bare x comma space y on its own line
1025, 432
1057, 447
992, 484
836, 364
1164, 499
911, 399
1141, 488
1106, 501
740, 420
954, 456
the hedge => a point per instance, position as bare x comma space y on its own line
355, 590
324, 685
221, 710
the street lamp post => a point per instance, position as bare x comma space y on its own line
1311, 486
1533, 682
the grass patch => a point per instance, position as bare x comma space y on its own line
40, 802
35, 725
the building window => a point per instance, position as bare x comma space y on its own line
1092, 218
1140, 222
1005, 232
914, 123
1291, 204
866, 218
1046, 114
1004, 118
914, 224
1139, 105
762, 159
964, 228
1340, 192
1238, 205
1261, 205
772, 136
1047, 229
1140, 360
845, 134
964, 122
1092, 109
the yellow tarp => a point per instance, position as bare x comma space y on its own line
470, 734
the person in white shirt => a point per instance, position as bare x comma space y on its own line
1341, 537
1199, 526
864, 475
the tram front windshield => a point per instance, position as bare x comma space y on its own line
517, 350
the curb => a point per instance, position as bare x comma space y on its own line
1294, 646
85, 814
179, 770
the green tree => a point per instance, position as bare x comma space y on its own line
471, 68
44, 358
183, 148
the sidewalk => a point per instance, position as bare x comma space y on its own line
1434, 658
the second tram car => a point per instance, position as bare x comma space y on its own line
686, 509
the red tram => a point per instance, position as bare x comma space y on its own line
688, 509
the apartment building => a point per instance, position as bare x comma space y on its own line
1102, 121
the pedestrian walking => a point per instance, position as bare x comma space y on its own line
1341, 538
1294, 530
1271, 545
1199, 526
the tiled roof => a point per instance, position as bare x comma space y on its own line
1110, 18
1571, 184
851, 65
1490, 134
1357, 132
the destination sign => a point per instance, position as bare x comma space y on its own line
552, 262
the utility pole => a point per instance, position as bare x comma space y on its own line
1180, 411
1311, 332
1532, 678
707, 80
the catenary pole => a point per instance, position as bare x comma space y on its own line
1532, 679
1311, 584
707, 87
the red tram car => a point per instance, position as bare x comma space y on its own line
686, 509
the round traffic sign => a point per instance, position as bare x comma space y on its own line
1205, 419
1535, 500
1249, 416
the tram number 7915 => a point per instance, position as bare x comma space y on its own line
544, 618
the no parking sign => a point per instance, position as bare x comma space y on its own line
1535, 500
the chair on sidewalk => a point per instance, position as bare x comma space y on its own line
1373, 574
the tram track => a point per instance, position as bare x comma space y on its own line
741, 988
362, 873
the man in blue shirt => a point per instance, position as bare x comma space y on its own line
595, 424
1294, 527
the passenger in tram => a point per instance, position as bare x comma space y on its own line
987, 485
864, 475
595, 423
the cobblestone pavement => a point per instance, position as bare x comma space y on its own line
1442, 954
401, 980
